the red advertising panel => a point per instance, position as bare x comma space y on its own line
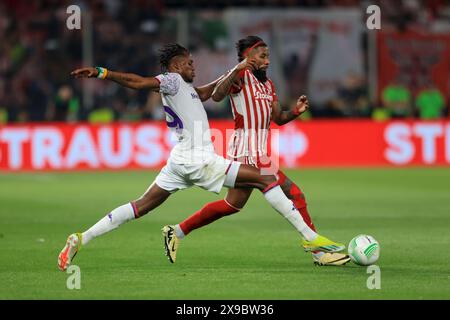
298, 144
365, 143
69, 147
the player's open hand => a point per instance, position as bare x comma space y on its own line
249, 63
302, 105
89, 72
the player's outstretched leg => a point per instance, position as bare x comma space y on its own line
151, 199
293, 192
249, 176
209, 213
233, 203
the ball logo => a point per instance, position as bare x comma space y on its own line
370, 250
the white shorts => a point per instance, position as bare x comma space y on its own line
212, 174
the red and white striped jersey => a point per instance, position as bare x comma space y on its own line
251, 103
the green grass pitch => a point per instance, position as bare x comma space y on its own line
254, 254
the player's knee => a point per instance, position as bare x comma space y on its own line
266, 181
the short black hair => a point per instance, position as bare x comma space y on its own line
170, 51
246, 43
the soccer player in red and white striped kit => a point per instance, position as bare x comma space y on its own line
254, 104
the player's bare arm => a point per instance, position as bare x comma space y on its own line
129, 80
222, 89
205, 92
282, 117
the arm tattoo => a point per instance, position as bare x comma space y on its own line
282, 117
224, 85
287, 116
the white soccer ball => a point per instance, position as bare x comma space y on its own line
364, 250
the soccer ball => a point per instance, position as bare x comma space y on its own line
364, 250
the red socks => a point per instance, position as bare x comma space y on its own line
209, 213
298, 198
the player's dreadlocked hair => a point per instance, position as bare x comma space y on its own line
168, 52
246, 43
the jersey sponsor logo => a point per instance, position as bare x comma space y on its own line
261, 96
194, 95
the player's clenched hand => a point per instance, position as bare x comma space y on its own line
302, 105
249, 63
89, 72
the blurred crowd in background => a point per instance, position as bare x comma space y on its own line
38, 51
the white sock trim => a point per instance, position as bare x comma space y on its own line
230, 178
179, 232
235, 208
